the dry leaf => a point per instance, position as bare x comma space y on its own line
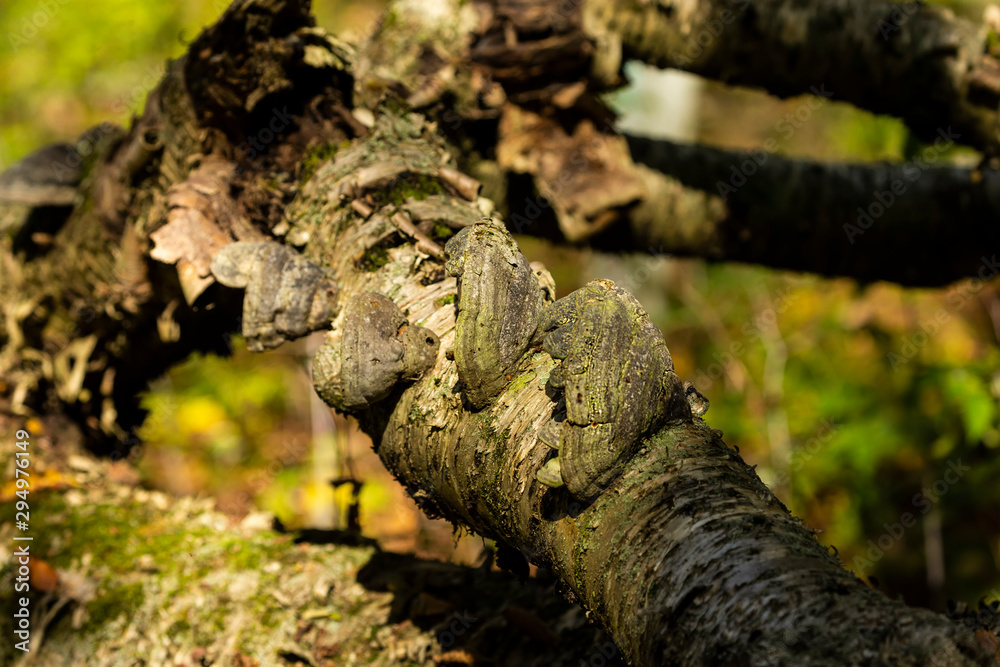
199, 213
50, 479
585, 176
189, 240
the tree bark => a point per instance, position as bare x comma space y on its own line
522, 92
684, 555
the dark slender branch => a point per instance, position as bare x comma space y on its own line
914, 223
910, 60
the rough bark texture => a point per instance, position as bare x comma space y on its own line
628, 550
684, 556
520, 94
90, 318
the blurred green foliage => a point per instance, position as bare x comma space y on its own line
857, 403
215, 425
67, 65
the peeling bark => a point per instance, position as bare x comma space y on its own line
89, 319
629, 549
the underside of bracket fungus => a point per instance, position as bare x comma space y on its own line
377, 349
287, 296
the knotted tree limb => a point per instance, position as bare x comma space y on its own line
682, 542
647, 519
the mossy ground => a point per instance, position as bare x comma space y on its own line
176, 578
153, 580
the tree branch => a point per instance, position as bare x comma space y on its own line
525, 95
910, 60
869, 222
646, 542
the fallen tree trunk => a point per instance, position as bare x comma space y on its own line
665, 535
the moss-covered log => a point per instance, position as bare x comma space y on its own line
687, 534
